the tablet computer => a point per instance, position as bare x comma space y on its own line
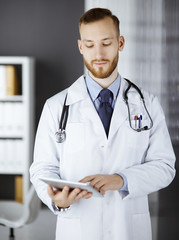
59, 184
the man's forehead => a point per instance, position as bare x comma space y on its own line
93, 31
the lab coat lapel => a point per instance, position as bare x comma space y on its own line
120, 112
90, 114
77, 92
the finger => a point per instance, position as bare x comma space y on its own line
95, 181
74, 193
81, 195
98, 182
99, 186
87, 179
88, 195
65, 191
103, 190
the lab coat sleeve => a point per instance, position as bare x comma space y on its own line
157, 171
46, 161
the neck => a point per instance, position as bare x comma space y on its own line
105, 82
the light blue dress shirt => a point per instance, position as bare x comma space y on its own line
94, 89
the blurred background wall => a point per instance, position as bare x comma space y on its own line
48, 30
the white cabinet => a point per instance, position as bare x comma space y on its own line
17, 124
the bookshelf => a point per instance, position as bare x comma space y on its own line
16, 127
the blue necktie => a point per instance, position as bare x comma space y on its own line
105, 109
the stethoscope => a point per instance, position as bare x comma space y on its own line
139, 118
61, 133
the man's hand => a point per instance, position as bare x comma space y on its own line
66, 197
103, 183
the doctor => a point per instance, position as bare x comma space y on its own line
101, 147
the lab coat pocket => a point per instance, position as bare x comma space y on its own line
68, 228
75, 136
139, 124
136, 139
142, 227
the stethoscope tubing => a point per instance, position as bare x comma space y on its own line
61, 133
64, 117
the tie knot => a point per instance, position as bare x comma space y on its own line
105, 96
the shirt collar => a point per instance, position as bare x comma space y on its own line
94, 88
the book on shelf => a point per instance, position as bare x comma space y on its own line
12, 84
19, 189
9, 82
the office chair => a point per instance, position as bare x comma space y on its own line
14, 215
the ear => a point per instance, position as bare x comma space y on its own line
80, 46
121, 43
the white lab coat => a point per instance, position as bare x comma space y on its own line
145, 158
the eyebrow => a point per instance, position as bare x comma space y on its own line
104, 39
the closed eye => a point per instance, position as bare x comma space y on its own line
89, 46
106, 44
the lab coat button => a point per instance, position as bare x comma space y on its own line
102, 146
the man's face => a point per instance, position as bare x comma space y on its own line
99, 46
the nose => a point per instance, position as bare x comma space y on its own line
99, 52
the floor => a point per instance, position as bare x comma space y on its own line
44, 228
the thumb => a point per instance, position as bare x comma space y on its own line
50, 191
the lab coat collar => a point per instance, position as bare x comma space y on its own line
77, 91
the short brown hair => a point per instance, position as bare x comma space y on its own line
96, 14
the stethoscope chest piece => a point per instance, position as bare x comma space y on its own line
60, 136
